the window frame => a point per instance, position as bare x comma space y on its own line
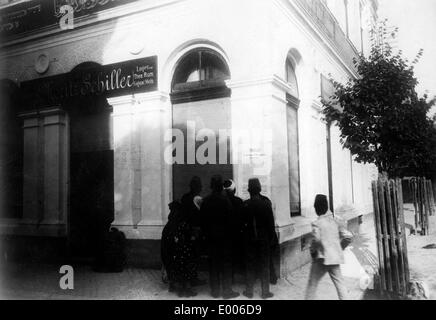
204, 89
293, 101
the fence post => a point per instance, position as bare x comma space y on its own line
391, 236
414, 187
427, 206
385, 235
430, 197
391, 217
403, 238
379, 236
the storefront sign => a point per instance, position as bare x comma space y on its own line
37, 14
327, 88
116, 79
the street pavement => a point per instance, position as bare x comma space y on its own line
41, 281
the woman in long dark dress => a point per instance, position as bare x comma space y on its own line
178, 252
167, 243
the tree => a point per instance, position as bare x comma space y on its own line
381, 118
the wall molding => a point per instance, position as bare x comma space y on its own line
292, 11
85, 27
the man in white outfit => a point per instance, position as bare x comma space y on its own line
329, 238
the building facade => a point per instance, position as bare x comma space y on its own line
107, 122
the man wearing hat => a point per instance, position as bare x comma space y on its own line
217, 210
236, 221
259, 234
329, 239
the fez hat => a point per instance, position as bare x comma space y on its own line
321, 204
195, 184
254, 185
216, 183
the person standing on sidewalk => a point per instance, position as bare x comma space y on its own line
191, 208
259, 234
236, 228
329, 238
178, 252
217, 213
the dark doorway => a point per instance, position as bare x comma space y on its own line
91, 175
11, 152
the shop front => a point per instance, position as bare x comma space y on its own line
67, 157
107, 123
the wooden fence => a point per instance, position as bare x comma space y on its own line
423, 203
394, 276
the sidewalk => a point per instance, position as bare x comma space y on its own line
42, 282
422, 261
21, 281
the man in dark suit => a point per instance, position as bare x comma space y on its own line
259, 235
216, 212
187, 201
237, 227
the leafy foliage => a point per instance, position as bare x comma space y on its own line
382, 119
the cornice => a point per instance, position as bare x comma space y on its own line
85, 28
292, 10
275, 80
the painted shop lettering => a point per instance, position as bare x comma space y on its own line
110, 80
116, 80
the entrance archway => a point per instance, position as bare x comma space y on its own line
91, 170
201, 107
11, 152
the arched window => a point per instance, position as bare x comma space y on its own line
293, 140
200, 75
201, 104
291, 78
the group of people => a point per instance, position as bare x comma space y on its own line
241, 234
236, 235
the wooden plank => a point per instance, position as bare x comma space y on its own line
378, 233
426, 205
420, 206
413, 186
433, 204
404, 238
398, 230
430, 197
427, 199
390, 218
385, 234
429, 206
418, 203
